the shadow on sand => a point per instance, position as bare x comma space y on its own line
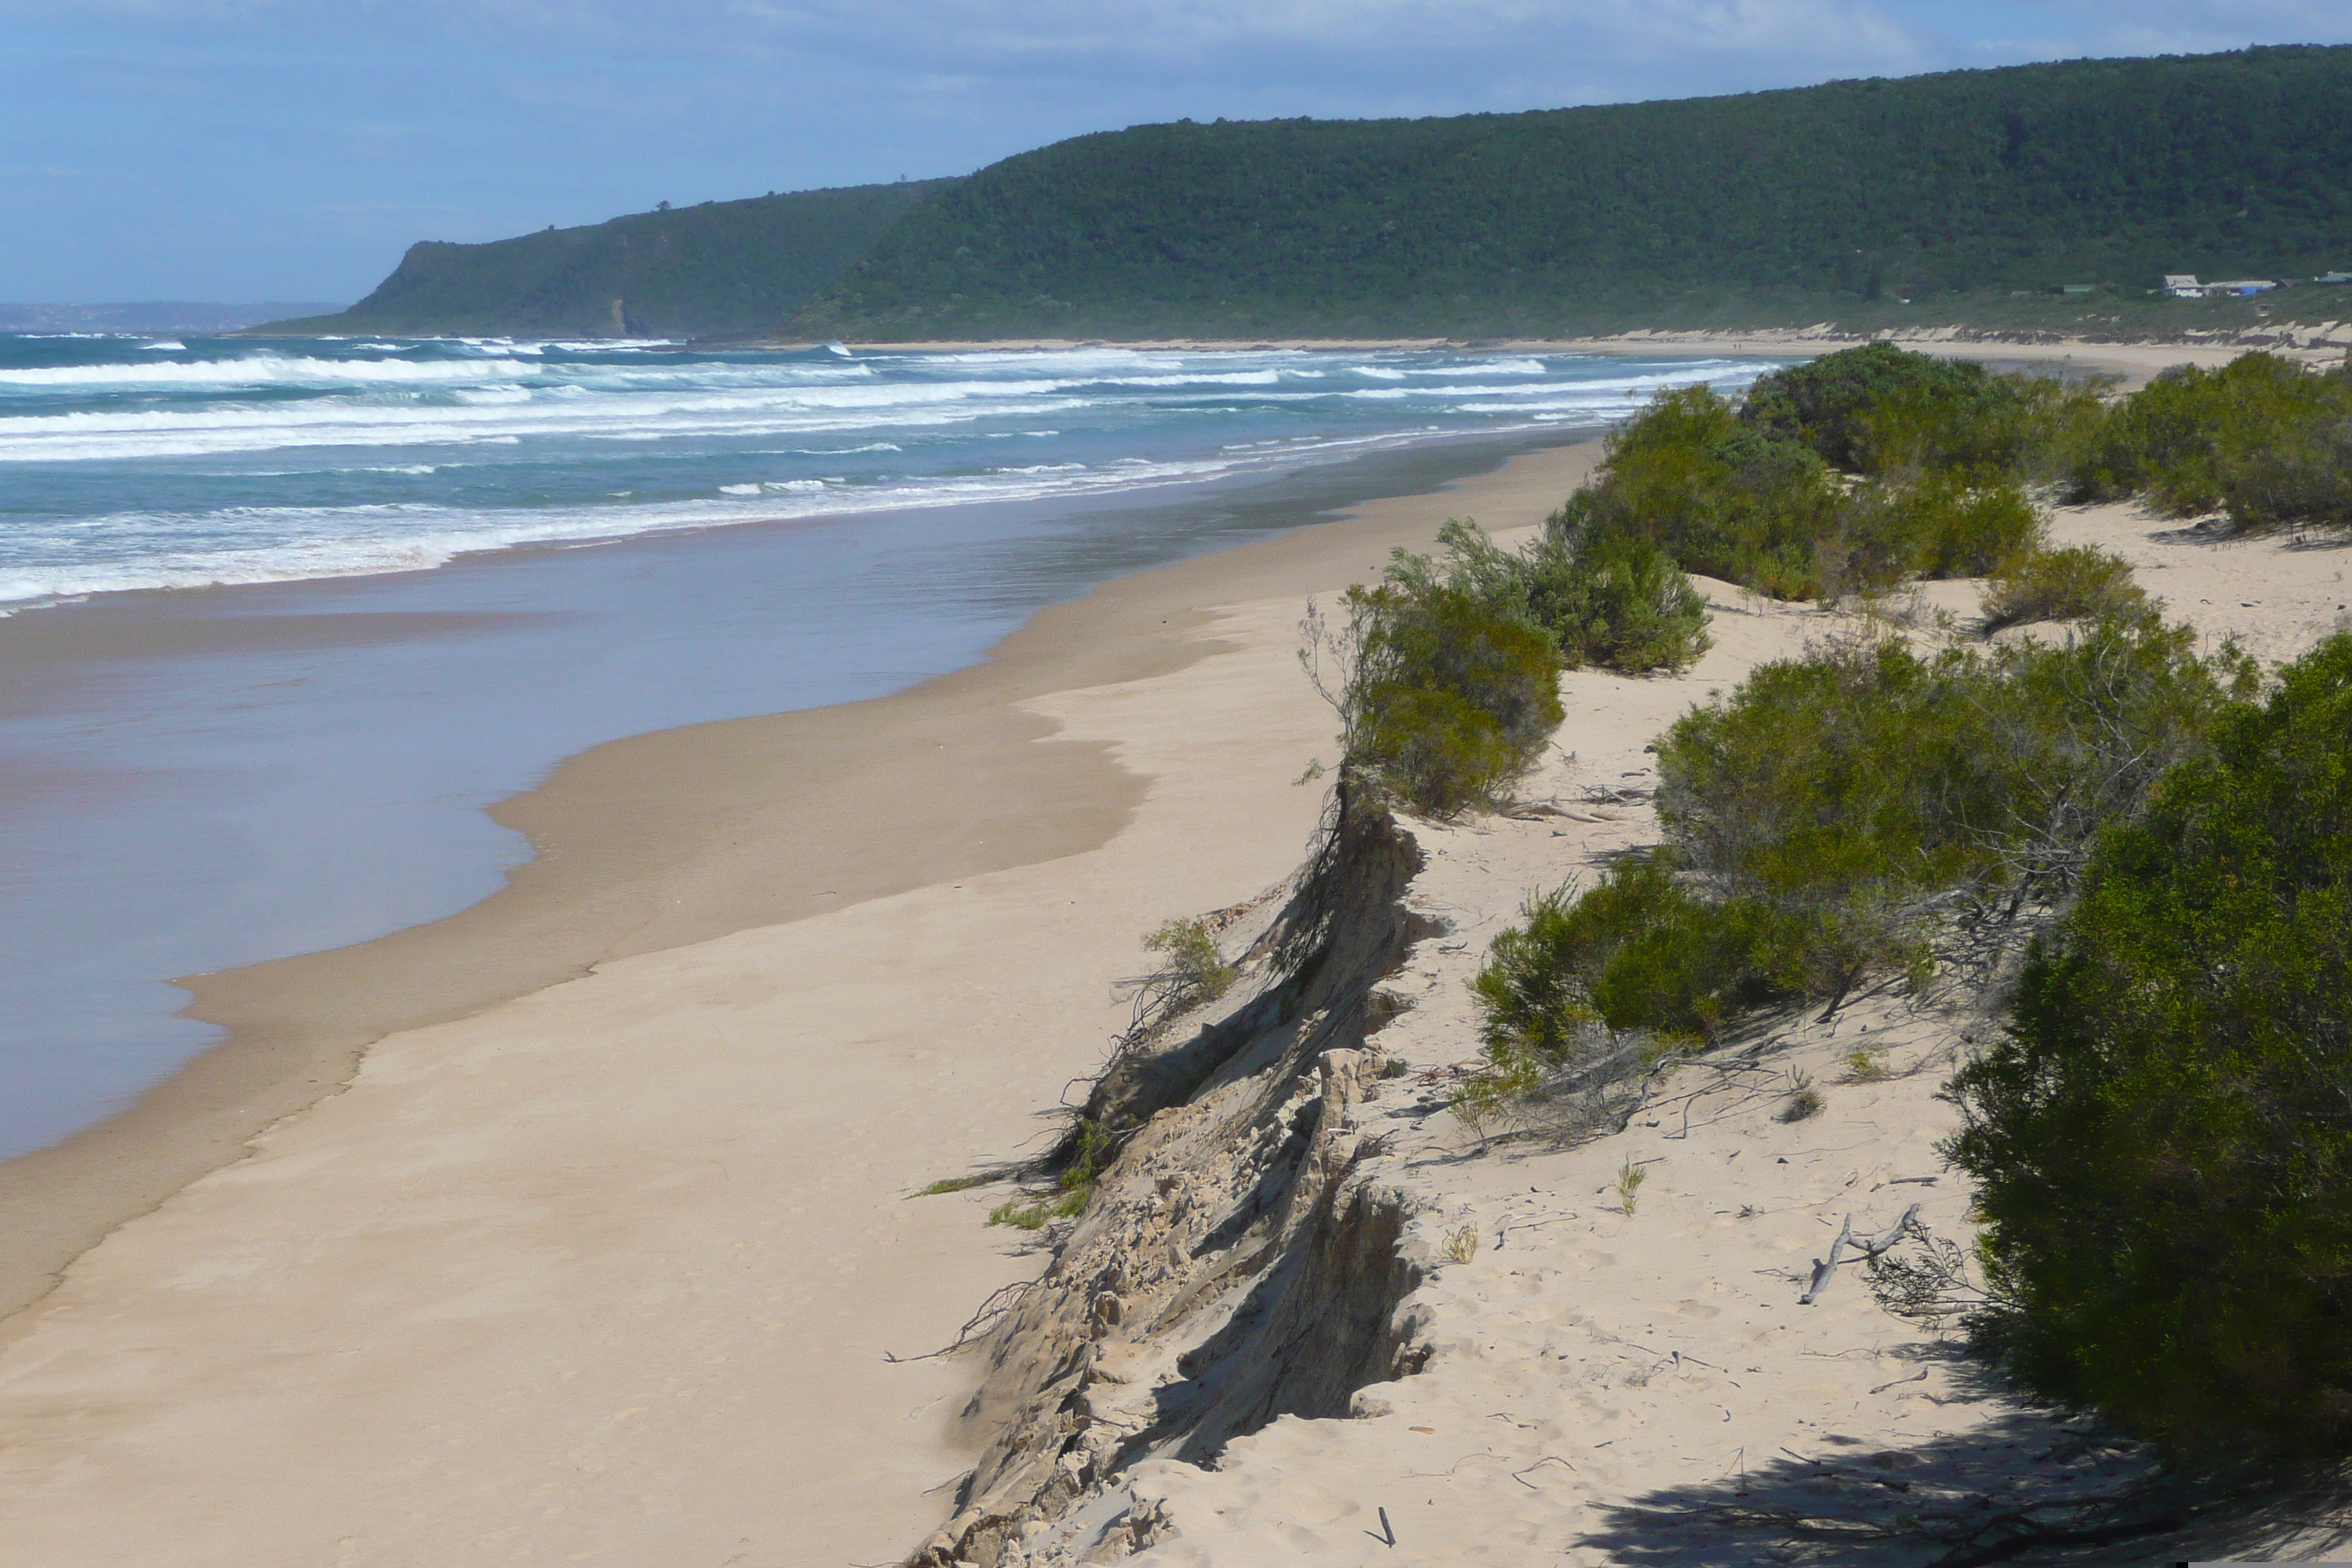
2021, 1487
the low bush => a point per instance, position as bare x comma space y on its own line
1639, 951
1878, 409
1939, 525
1850, 813
1608, 600
1625, 605
1866, 775
1443, 699
1689, 478
2162, 1143
2261, 439
2075, 584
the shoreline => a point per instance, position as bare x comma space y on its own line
611, 1268
297, 1027
2135, 358
635, 851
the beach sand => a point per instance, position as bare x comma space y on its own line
607, 1271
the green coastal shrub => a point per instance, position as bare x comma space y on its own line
1618, 603
1625, 605
2077, 582
1868, 776
2261, 439
2162, 1142
1846, 814
1687, 477
1695, 479
1445, 701
1936, 525
1640, 950
1878, 409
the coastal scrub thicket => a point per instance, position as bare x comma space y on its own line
1604, 598
1750, 494
1856, 811
1879, 409
2261, 440
2162, 1141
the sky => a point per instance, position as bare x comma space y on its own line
290, 149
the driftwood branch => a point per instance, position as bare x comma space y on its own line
1869, 1246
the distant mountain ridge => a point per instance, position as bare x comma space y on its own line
1963, 198
1722, 211
717, 266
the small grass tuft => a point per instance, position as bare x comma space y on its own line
950, 1184
1194, 972
1019, 1214
1804, 1101
1867, 1064
1461, 1243
1629, 1177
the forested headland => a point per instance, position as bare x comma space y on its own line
1970, 199
1966, 196
717, 266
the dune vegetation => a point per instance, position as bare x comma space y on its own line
2134, 845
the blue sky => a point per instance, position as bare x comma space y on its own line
240, 149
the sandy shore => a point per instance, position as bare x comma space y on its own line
606, 1271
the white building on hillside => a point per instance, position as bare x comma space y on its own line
2184, 285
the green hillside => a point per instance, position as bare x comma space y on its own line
720, 267
1951, 192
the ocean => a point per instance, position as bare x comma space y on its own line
279, 617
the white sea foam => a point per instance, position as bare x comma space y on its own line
166, 346
590, 445
1492, 367
266, 370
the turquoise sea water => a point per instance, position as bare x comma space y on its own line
278, 618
